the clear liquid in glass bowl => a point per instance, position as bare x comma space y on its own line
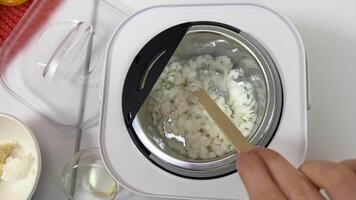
85, 178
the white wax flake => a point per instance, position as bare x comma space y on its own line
17, 167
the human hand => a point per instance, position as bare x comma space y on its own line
268, 176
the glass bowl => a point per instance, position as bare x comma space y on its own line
85, 177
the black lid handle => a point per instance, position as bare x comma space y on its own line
148, 66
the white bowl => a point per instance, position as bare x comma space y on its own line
13, 128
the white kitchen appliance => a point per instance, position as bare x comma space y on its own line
139, 51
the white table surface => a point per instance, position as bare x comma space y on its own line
328, 29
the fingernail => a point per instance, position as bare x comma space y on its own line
257, 148
239, 159
240, 156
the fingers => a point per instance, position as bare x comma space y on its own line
258, 182
338, 180
351, 164
293, 183
267, 175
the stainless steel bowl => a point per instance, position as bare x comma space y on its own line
263, 74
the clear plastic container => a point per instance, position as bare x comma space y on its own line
54, 58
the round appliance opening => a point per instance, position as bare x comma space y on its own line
175, 131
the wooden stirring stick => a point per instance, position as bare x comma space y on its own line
223, 122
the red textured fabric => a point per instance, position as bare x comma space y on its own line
9, 17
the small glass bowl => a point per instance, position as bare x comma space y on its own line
85, 177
